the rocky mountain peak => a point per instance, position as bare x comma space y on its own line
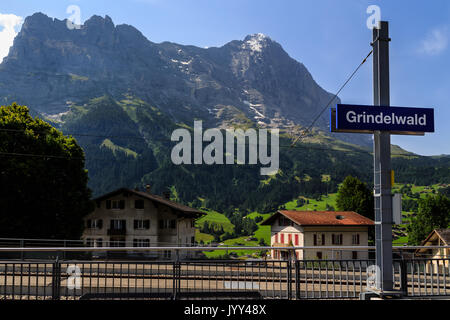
95, 21
256, 42
37, 19
51, 67
40, 25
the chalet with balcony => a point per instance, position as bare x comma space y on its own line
318, 229
131, 218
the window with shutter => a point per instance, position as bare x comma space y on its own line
296, 239
99, 223
290, 238
173, 224
336, 239
118, 224
122, 204
323, 239
136, 224
315, 239
147, 224
282, 238
108, 204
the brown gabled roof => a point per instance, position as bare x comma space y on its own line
444, 234
322, 218
155, 198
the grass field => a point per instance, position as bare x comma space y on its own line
263, 232
241, 241
217, 218
400, 241
220, 219
423, 191
203, 237
313, 203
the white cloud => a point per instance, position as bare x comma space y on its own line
9, 26
435, 42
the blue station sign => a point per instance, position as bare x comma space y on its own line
376, 118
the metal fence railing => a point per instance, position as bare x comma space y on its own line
74, 279
428, 277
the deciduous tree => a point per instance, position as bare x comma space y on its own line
43, 181
354, 195
433, 213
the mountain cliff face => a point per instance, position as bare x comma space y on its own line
121, 96
51, 68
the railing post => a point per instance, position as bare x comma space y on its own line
22, 245
289, 276
64, 252
404, 276
297, 279
291, 259
176, 275
56, 279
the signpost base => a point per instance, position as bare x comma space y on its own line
383, 295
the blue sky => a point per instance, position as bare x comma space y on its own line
329, 36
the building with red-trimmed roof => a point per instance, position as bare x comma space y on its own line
318, 228
131, 218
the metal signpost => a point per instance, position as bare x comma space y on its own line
381, 120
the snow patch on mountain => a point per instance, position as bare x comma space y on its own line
252, 107
255, 42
